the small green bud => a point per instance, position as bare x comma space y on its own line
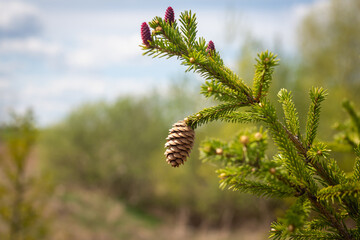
244, 139
291, 228
258, 136
223, 176
207, 149
219, 151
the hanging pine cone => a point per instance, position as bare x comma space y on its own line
179, 143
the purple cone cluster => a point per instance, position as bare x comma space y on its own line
145, 30
145, 34
169, 15
211, 47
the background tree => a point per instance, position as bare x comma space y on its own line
21, 201
329, 51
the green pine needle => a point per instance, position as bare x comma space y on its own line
317, 95
291, 115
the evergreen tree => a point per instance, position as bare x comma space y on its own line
22, 206
326, 200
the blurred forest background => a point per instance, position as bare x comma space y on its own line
100, 172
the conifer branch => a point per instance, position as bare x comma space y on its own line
213, 113
349, 107
210, 70
264, 69
241, 117
339, 192
317, 95
188, 28
301, 169
220, 92
315, 235
329, 172
356, 175
294, 163
341, 227
257, 188
283, 232
291, 115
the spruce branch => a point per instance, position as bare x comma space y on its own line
211, 70
315, 235
349, 107
213, 113
188, 28
241, 117
317, 95
264, 69
291, 115
257, 188
302, 169
356, 175
324, 209
282, 231
340, 192
169, 32
329, 172
293, 161
220, 92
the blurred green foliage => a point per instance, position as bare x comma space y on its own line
21, 198
330, 47
329, 53
118, 147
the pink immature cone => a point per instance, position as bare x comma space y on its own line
145, 34
169, 15
210, 47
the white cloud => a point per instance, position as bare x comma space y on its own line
18, 19
58, 87
53, 99
30, 45
10, 11
301, 10
4, 83
86, 40
97, 51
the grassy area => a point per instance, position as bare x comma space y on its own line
87, 214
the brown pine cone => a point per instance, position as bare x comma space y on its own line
179, 143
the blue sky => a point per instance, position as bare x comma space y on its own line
55, 55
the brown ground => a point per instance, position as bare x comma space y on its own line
80, 215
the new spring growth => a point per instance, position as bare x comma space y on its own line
145, 34
169, 15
